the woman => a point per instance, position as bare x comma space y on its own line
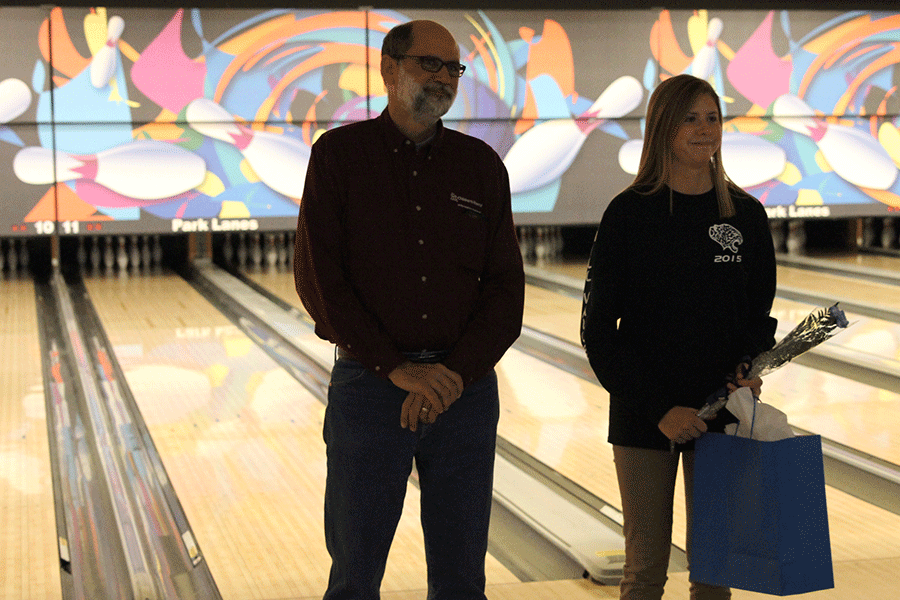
679, 288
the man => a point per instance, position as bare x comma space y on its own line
407, 260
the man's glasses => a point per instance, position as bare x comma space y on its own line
433, 64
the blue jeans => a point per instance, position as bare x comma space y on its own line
369, 462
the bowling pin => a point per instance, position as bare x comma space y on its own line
290, 250
888, 233
103, 65
282, 250
705, 59
157, 251
23, 254
122, 255
95, 254
15, 98
145, 251
540, 246
527, 244
796, 238
143, 169
242, 251
777, 227
748, 160
278, 160
12, 257
630, 156
855, 156
544, 152
271, 252
134, 253
868, 234
81, 254
227, 250
109, 253
255, 251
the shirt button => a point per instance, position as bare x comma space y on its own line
424, 316
418, 208
377, 368
396, 149
424, 278
408, 142
421, 242
415, 173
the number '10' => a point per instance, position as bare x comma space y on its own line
48, 227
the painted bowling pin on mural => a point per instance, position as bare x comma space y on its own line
544, 152
705, 59
15, 98
103, 65
278, 160
143, 169
748, 160
855, 156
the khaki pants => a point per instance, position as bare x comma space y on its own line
647, 485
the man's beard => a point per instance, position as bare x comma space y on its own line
426, 103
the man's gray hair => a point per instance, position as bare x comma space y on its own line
398, 40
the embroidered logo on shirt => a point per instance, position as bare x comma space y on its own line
470, 205
729, 238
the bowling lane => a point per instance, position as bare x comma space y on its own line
860, 259
241, 441
842, 287
562, 421
28, 553
851, 413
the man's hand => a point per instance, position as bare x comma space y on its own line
416, 409
440, 386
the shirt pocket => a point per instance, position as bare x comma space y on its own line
468, 239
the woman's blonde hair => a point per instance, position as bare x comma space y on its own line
666, 111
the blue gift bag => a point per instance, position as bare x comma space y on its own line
760, 521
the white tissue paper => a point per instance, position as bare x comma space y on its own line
758, 420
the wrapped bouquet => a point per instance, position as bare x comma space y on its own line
817, 327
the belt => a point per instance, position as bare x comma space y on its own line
425, 356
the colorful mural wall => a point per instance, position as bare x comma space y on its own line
153, 120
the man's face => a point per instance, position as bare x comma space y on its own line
423, 95
426, 99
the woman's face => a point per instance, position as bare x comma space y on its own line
699, 135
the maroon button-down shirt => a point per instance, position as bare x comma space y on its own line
400, 250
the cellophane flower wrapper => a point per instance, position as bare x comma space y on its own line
817, 327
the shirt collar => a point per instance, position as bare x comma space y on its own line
395, 138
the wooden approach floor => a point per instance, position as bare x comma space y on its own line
562, 421
241, 442
28, 549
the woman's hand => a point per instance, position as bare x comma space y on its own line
681, 424
739, 380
